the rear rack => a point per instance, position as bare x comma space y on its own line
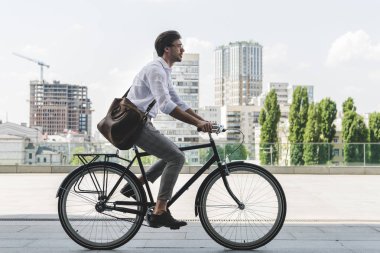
87, 158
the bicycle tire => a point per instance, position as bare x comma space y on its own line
77, 205
261, 218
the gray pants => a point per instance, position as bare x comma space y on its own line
172, 159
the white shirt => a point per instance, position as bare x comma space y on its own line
154, 82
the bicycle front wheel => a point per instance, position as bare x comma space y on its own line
93, 222
251, 225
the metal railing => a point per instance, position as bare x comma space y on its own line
283, 154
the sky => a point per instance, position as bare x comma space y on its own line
333, 45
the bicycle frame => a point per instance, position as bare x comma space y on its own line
215, 158
138, 155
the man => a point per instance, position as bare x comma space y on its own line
154, 82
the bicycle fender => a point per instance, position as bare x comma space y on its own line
205, 181
65, 181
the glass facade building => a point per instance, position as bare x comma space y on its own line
185, 78
238, 73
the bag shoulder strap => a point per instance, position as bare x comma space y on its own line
126, 94
149, 106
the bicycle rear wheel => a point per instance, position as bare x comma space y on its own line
248, 227
91, 221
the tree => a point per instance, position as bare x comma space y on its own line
354, 132
74, 159
209, 153
349, 106
374, 137
235, 152
297, 124
312, 135
328, 112
268, 119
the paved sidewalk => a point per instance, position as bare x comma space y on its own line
48, 236
326, 213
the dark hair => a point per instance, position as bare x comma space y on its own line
165, 39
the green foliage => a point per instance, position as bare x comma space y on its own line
268, 119
312, 135
349, 105
328, 112
297, 124
74, 159
148, 160
240, 154
209, 153
328, 115
354, 131
374, 137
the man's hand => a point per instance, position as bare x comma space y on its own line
204, 126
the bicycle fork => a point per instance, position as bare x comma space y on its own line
225, 173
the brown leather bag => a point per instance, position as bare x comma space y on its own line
123, 123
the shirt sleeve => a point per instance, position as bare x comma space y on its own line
176, 99
158, 85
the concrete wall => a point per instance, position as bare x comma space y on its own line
321, 170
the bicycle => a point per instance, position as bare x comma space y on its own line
240, 205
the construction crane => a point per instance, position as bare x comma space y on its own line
42, 65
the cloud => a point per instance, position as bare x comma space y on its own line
122, 76
374, 75
205, 49
276, 54
302, 66
195, 45
163, 1
77, 27
353, 46
34, 50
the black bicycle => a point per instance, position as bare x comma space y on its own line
240, 205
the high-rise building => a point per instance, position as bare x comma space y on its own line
185, 78
238, 73
59, 107
282, 91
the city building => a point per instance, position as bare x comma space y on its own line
57, 107
282, 91
244, 118
238, 73
33, 134
20, 145
185, 78
211, 113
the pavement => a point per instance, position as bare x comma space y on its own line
326, 213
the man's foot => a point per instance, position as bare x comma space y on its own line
127, 191
164, 219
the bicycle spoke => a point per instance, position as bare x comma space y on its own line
86, 216
253, 224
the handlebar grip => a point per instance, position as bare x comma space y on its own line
215, 129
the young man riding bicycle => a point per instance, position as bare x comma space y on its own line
153, 82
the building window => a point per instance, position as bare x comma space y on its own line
30, 155
336, 152
44, 159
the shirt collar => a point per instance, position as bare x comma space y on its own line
164, 64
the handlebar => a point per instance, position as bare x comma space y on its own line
217, 129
